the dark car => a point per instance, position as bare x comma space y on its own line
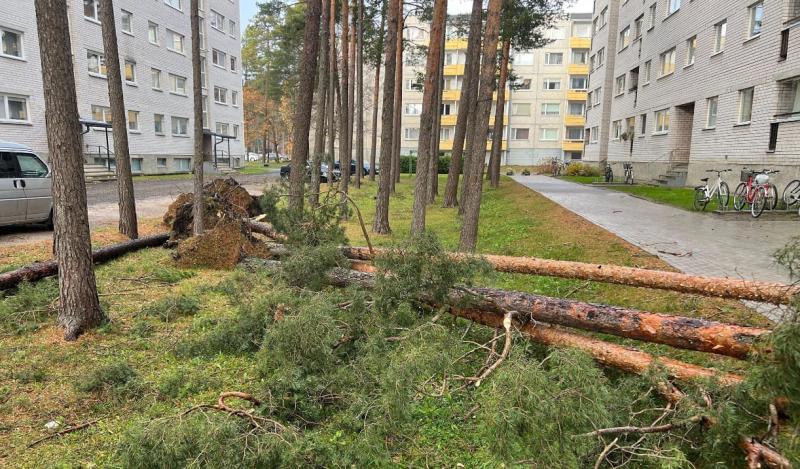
323, 175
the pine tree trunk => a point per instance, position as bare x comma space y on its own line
433, 171
321, 113
127, 202
430, 112
466, 104
305, 102
497, 135
474, 184
359, 132
375, 103
350, 71
381, 222
79, 304
398, 99
331, 107
344, 115
197, 101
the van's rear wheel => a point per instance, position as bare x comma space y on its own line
49, 222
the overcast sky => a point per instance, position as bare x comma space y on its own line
248, 8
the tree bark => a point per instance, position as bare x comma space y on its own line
758, 453
322, 103
305, 102
466, 103
381, 222
79, 304
197, 103
433, 161
359, 131
429, 113
374, 143
40, 270
344, 115
473, 184
398, 99
127, 202
331, 108
497, 135
350, 70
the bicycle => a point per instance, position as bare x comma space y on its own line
791, 194
609, 173
555, 167
755, 190
703, 194
628, 167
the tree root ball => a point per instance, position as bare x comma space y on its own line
219, 248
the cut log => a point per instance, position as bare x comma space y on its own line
40, 270
768, 292
266, 229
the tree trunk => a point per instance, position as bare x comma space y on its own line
374, 143
350, 71
429, 113
466, 103
331, 107
381, 222
359, 132
321, 113
433, 171
265, 143
344, 115
474, 184
79, 304
197, 103
398, 100
127, 202
305, 101
497, 135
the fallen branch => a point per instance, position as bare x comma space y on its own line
40, 270
63, 432
256, 420
503, 355
651, 429
758, 453
265, 229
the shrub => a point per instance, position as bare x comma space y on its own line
172, 307
181, 382
409, 164
581, 169
116, 378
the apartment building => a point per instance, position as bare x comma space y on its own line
545, 104
678, 87
154, 40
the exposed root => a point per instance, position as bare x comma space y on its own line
259, 422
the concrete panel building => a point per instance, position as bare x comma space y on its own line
678, 87
154, 40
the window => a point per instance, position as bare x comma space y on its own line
220, 95
222, 128
158, 124
579, 82
574, 133
591, 63
642, 124
91, 10
553, 58
217, 21
232, 28
745, 105
175, 42
233, 64
551, 84
549, 109
413, 109
755, 14
616, 130
548, 134
133, 121
182, 164
633, 83
783, 51
177, 4
673, 6
581, 29
205, 112
155, 78
180, 127
603, 17
130, 71
596, 96
555, 33
711, 112
177, 84
523, 85
218, 58
600, 54
594, 26
96, 63
10, 43
235, 131
619, 87
101, 113
589, 99
203, 72
720, 31
136, 165
520, 133
667, 62
662, 121
13, 108
446, 109
593, 134
647, 67
576, 108
161, 162
625, 38
691, 50
202, 35
523, 58
651, 23
234, 98
412, 85
637, 27
789, 96
31, 166
126, 21
152, 32
521, 109
412, 133
444, 133
579, 56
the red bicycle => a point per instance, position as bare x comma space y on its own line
756, 190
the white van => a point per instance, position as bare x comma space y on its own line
25, 187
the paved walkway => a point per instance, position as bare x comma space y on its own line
699, 244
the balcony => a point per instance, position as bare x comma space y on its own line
572, 145
576, 95
455, 69
447, 145
578, 69
455, 44
451, 95
577, 121
449, 119
491, 120
580, 42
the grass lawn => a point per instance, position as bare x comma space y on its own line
255, 167
143, 376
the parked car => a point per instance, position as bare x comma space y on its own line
25, 187
323, 175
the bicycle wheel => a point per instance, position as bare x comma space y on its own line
700, 199
723, 196
740, 196
791, 194
759, 202
772, 197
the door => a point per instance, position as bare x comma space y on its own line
12, 197
36, 182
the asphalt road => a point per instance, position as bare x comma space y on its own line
153, 196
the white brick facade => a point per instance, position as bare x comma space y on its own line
151, 152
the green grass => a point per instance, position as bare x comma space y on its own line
255, 167
582, 179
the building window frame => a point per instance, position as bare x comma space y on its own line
691, 51
744, 110
755, 19
126, 21
712, 107
5, 109
152, 33
661, 121
667, 63
101, 71
720, 35
20, 43
158, 124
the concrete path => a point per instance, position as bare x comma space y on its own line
695, 243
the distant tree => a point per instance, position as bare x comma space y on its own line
497, 131
197, 97
359, 129
322, 103
79, 304
376, 55
398, 100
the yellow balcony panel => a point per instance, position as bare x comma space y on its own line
574, 120
576, 95
491, 120
572, 145
578, 69
454, 44
580, 42
504, 146
449, 120
451, 95
456, 69
445, 145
